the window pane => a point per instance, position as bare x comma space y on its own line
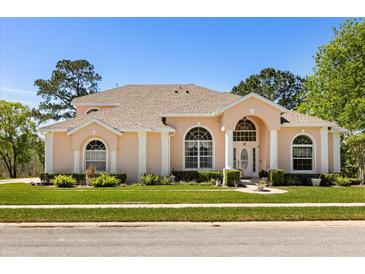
99, 165
206, 148
191, 162
302, 152
206, 162
302, 164
191, 148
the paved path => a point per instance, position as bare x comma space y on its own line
188, 205
187, 239
20, 180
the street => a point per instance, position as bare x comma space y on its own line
188, 239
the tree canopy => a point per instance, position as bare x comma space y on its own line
337, 86
282, 87
69, 80
17, 136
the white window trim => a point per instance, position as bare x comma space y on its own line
314, 154
257, 133
213, 148
84, 153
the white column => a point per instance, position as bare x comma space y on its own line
76, 161
48, 166
165, 151
336, 152
273, 149
142, 153
229, 149
324, 150
113, 161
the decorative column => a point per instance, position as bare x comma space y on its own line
324, 150
336, 152
77, 161
229, 149
142, 153
113, 161
49, 153
165, 153
273, 149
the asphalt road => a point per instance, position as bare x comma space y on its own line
195, 239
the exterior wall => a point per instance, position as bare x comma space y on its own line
252, 106
81, 110
63, 154
182, 125
154, 153
330, 152
127, 155
286, 135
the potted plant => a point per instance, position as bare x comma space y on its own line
316, 181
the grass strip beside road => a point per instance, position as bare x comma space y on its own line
182, 214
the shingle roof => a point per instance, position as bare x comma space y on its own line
142, 106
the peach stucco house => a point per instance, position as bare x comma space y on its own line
160, 128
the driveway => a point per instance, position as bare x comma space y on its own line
187, 239
20, 180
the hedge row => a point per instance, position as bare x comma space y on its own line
79, 177
199, 176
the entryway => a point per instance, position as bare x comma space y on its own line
245, 159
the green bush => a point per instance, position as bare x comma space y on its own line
299, 179
165, 180
199, 176
150, 179
329, 178
232, 177
122, 177
105, 180
342, 181
263, 173
276, 177
64, 181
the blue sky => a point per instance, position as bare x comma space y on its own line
212, 52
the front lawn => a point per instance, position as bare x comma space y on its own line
182, 214
18, 194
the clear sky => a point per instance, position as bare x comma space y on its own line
213, 52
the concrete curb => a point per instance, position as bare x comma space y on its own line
225, 205
182, 224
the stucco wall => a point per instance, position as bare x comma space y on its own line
127, 156
182, 125
63, 157
154, 153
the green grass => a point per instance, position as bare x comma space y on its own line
182, 214
27, 194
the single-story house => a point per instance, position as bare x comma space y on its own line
160, 128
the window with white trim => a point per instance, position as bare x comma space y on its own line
245, 131
198, 149
302, 153
95, 155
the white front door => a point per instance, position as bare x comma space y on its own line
246, 160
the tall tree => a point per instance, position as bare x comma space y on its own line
69, 80
282, 87
17, 135
337, 86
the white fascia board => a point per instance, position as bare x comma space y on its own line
44, 131
305, 125
148, 130
96, 104
257, 96
103, 124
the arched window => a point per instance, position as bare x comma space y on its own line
198, 148
91, 110
245, 131
95, 155
302, 153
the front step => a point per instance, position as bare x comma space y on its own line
249, 181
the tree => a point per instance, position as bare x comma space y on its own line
17, 135
355, 153
282, 87
69, 80
337, 86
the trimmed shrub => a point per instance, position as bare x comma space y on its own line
276, 177
328, 178
105, 180
165, 180
342, 181
299, 179
64, 181
232, 177
150, 179
199, 176
122, 177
